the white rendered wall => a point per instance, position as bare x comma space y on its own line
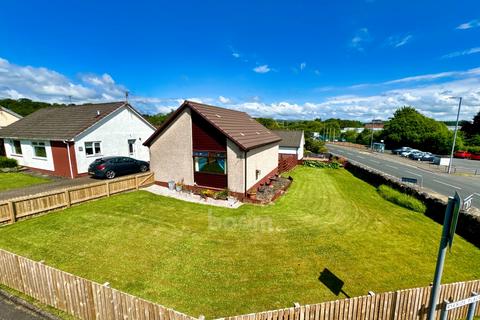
113, 133
28, 158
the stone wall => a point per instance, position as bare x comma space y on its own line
468, 222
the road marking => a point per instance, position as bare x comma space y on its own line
449, 185
361, 157
415, 174
375, 161
393, 167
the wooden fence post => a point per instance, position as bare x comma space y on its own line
68, 201
11, 208
108, 188
136, 183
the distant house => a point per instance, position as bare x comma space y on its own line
63, 141
292, 143
375, 125
215, 148
357, 130
7, 117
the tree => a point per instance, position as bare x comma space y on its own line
410, 128
472, 131
314, 145
364, 137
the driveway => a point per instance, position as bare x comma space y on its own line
56, 183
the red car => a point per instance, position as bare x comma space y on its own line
475, 156
462, 154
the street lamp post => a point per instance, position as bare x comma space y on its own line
454, 135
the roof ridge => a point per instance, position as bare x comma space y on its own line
215, 107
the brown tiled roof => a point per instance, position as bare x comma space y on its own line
237, 126
290, 138
59, 123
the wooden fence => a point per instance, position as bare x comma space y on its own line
86, 299
399, 305
76, 296
18, 208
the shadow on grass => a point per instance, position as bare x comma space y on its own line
332, 282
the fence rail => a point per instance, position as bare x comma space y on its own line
409, 304
81, 298
87, 300
18, 208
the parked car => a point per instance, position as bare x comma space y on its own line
110, 167
400, 150
475, 156
416, 155
462, 154
428, 157
407, 153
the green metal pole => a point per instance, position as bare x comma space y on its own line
471, 308
444, 314
442, 251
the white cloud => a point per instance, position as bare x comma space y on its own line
431, 98
399, 41
303, 65
236, 55
469, 25
40, 83
361, 37
462, 53
224, 100
262, 69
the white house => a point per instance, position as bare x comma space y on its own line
7, 117
63, 141
292, 143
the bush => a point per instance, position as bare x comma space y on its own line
320, 164
8, 163
401, 199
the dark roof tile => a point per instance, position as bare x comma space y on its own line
290, 138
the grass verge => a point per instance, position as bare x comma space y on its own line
402, 199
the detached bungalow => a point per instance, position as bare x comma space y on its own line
7, 117
212, 147
292, 144
63, 141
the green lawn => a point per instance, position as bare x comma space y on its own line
14, 180
217, 262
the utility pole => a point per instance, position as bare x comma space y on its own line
371, 139
126, 96
454, 136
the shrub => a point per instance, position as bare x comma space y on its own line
320, 164
401, 199
8, 163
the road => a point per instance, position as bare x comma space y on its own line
441, 183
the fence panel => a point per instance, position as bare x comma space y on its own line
18, 208
84, 299
399, 305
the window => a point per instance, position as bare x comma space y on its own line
210, 162
131, 146
17, 147
93, 148
39, 149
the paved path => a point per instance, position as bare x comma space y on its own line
441, 183
12, 311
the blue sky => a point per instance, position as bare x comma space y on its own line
285, 59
